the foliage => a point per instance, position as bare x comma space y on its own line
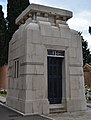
3, 41
14, 9
8, 27
89, 101
86, 52
89, 30
3, 93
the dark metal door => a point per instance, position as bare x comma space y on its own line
55, 80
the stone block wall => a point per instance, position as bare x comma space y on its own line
29, 92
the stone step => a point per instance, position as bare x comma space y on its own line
57, 110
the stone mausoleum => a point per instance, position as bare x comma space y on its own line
45, 63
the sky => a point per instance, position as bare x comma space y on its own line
81, 9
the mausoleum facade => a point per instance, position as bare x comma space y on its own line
45, 63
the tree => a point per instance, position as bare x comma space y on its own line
3, 42
89, 30
86, 52
14, 9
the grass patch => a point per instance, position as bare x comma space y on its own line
3, 95
88, 101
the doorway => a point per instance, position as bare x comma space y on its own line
54, 79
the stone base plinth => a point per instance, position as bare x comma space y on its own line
29, 107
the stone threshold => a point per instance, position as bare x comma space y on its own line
57, 108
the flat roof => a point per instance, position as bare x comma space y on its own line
44, 9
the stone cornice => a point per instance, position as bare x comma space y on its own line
35, 11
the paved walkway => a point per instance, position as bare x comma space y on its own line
7, 114
82, 115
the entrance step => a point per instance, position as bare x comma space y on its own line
57, 109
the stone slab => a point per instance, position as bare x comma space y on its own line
45, 9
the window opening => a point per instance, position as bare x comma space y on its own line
16, 68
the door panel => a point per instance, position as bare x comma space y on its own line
55, 80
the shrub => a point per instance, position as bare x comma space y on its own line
3, 91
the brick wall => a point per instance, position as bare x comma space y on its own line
87, 78
87, 75
4, 77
